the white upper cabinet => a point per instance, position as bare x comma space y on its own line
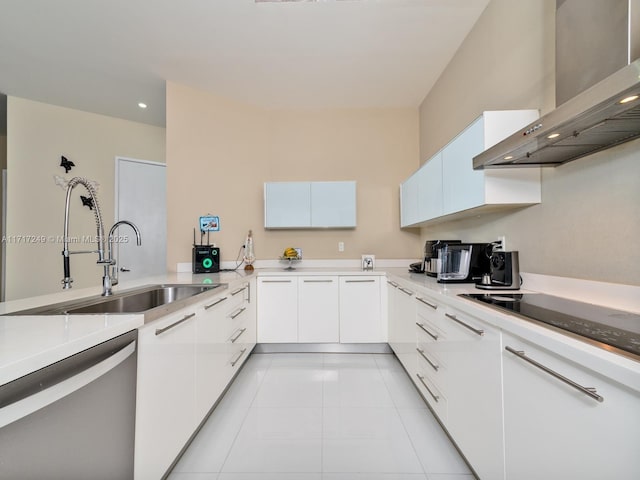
287, 205
447, 184
310, 205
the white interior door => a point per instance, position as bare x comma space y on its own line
141, 198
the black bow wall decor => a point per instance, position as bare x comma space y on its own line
66, 164
87, 202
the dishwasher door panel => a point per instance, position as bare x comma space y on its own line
88, 433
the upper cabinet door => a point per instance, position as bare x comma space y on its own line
333, 204
430, 188
409, 214
287, 205
463, 187
310, 205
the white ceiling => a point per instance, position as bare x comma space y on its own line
105, 56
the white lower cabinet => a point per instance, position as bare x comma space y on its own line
402, 321
557, 431
361, 319
471, 352
278, 309
165, 403
185, 361
318, 309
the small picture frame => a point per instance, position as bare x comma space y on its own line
210, 223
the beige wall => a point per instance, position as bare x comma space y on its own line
220, 152
38, 134
588, 224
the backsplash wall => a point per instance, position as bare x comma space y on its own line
588, 224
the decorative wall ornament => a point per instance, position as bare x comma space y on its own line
66, 164
87, 202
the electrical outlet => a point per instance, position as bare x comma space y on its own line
341, 246
503, 243
368, 261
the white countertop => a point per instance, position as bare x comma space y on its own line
28, 343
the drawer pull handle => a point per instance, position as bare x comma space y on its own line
236, 360
240, 332
207, 307
590, 391
169, 327
241, 289
276, 281
393, 284
421, 378
318, 281
360, 281
404, 290
465, 325
433, 365
421, 325
435, 307
237, 312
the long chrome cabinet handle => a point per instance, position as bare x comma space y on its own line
241, 289
435, 307
421, 378
240, 332
276, 281
465, 325
318, 281
207, 307
433, 365
590, 391
237, 312
360, 281
404, 290
432, 335
393, 284
169, 327
236, 360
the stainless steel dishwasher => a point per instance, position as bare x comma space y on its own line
74, 419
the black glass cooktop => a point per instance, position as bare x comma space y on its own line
615, 328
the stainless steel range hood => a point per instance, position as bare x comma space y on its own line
604, 115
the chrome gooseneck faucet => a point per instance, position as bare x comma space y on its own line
111, 280
107, 280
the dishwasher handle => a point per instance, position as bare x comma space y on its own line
33, 397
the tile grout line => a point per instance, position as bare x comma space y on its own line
415, 450
244, 419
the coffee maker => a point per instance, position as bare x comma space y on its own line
504, 272
431, 249
463, 262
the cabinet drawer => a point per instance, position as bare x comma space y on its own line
431, 392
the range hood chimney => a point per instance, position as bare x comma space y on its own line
597, 88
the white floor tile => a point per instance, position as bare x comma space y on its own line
291, 387
292, 360
278, 440
446, 476
246, 384
374, 476
350, 360
355, 387
210, 448
192, 476
435, 451
388, 362
401, 388
364, 440
270, 476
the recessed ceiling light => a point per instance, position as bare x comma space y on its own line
629, 99
142, 105
508, 157
553, 135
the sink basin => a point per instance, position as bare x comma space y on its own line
152, 300
141, 301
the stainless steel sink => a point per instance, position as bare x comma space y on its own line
152, 300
